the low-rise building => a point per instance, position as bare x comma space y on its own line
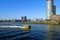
55, 18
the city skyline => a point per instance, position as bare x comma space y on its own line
14, 9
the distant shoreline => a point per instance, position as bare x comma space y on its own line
50, 23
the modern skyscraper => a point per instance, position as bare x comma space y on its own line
54, 10
50, 9
24, 18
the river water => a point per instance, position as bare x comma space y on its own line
37, 32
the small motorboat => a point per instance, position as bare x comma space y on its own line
25, 27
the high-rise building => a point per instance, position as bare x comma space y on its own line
50, 9
54, 10
23, 18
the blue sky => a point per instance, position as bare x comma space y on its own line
14, 9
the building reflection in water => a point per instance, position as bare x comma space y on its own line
51, 32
